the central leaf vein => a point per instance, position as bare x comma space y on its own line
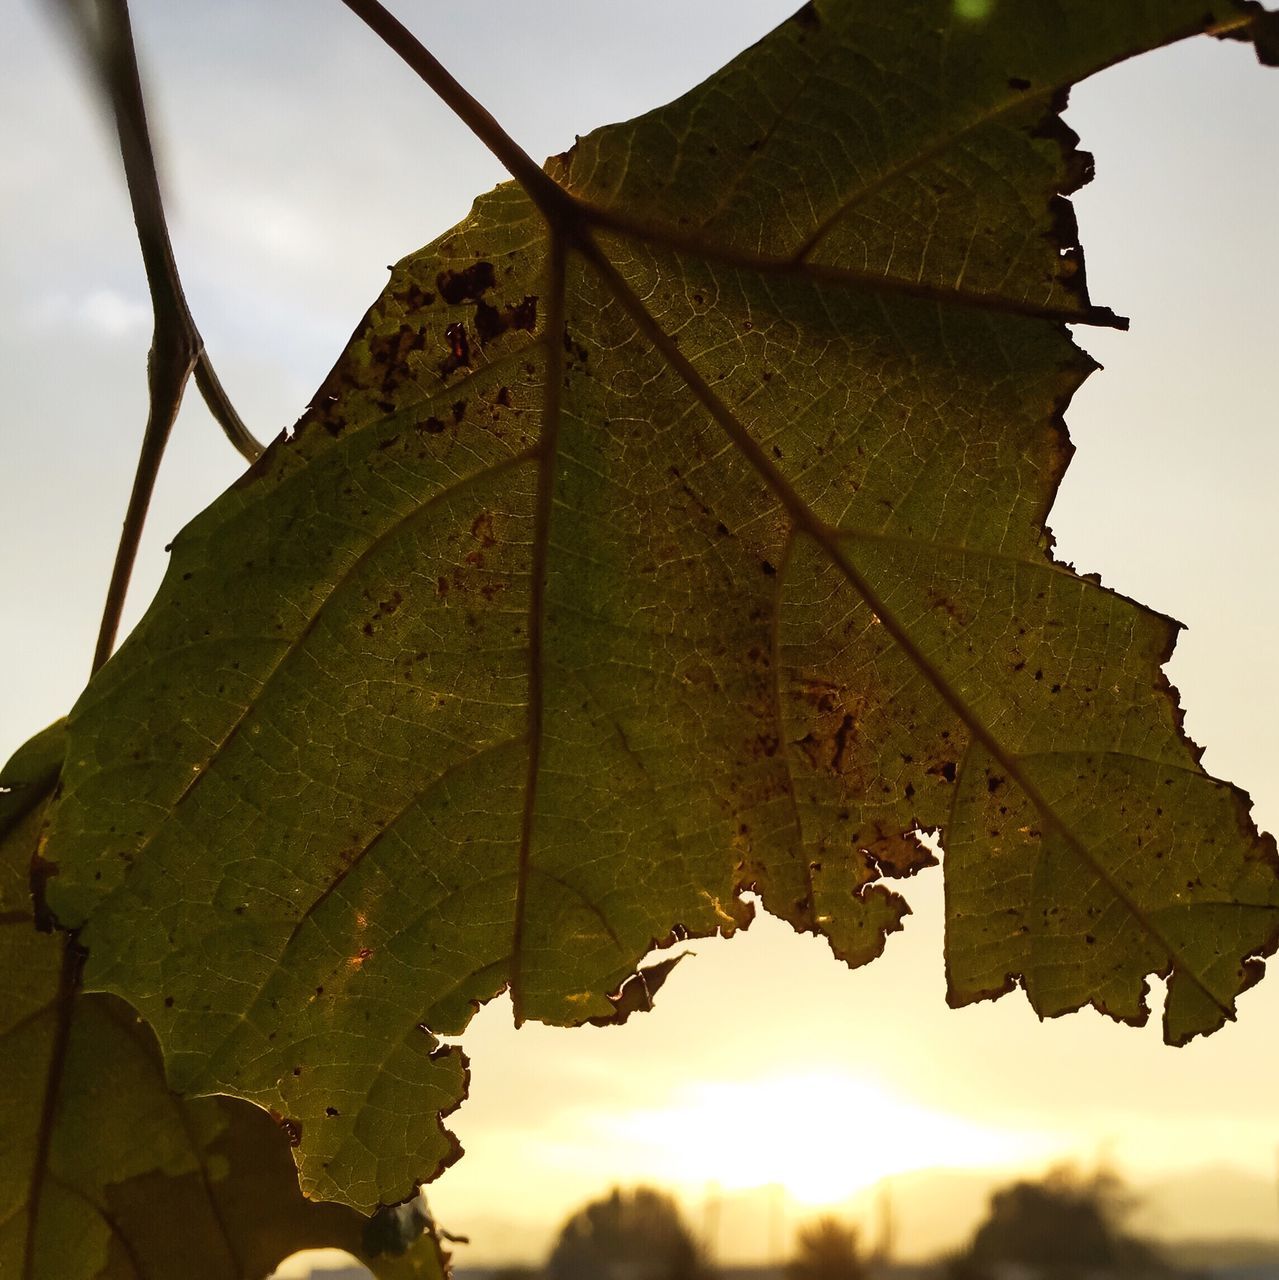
547, 456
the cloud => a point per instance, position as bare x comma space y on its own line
106, 313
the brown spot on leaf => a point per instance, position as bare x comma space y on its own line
822, 694
488, 323
847, 728
292, 1128
637, 992
467, 285
459, 349
898, 854
42, 871
491, 322
482, 530
413, 297
390, 353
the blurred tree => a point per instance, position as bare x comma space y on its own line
633, 1235
826, 1250
1057, 1229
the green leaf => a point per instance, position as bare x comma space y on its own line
103, 1171
682, 538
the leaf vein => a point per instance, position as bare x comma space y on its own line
828, 540
201, 771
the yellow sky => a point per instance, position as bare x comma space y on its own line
766, 1062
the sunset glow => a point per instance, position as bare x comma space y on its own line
822, 1135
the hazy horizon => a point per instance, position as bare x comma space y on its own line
934, 1212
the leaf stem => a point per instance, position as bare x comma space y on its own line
169, 365
218, 403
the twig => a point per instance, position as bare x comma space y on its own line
219, 405
111, 52
169, 365
177, 350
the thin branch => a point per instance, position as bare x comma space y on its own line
177, 350
110, 51
169, 365
224, 414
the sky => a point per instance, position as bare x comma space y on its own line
300, 159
